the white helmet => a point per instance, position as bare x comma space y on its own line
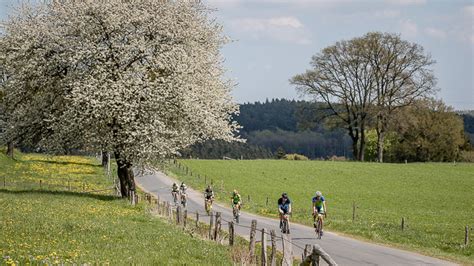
318, 194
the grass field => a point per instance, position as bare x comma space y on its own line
437, 200
54, 226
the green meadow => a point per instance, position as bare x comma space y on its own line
53, 224
435, 199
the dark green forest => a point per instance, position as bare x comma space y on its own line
294, 126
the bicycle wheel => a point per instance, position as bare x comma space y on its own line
319, 229
236, 214
284, 228
206, 207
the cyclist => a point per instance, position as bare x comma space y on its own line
319, 207
208, 196
182, 190
284, 207
174, 192
236, 200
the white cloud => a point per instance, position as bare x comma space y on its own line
469, 10
291, 22
285, 29
406, 2
435, 33
387, 13
408, 28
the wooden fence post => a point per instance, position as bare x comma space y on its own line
264, 247
274, 248
185, 218
353, 211
403, 223
253, 230
266, 204
169, 210
313, 258
197, 219
248, 198
231, 233
132, 197
287, 250
307, 250
41, 184
218, 226
211, 224
178, 215
4, 181
466, 236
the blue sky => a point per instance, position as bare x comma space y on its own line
275, 39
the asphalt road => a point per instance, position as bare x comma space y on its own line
344, 250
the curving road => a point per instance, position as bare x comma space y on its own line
344, 250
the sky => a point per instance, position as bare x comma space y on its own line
273, 40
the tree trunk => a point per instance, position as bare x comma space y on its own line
10, 149
355, 142
381, 130
362, 145
105, 158
125, 175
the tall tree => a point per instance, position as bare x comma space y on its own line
342, 77
142, 79
402, 74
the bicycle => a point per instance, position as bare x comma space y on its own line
236, 212
318, 224
285, 227
208, 205
184, 199
175, 197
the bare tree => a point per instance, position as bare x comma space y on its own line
342, 77
402, 74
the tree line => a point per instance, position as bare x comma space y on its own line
427, 130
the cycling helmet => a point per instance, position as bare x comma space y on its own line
318, 194
235, 192
284, 195
174, 184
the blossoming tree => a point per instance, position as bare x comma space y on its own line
140, 78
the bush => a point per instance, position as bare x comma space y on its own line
337, 158
295, 157
467, 156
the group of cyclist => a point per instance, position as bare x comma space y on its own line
319, 209
179, 191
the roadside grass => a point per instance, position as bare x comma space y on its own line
436, 199
54, 226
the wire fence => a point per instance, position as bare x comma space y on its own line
179, 215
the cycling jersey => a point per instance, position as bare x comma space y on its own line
183, 189
284, 206
209, 193
174, 188
318, 203
236, 198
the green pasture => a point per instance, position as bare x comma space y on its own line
435, 199
55, 225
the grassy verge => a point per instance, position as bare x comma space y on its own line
49, 225
435, 199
